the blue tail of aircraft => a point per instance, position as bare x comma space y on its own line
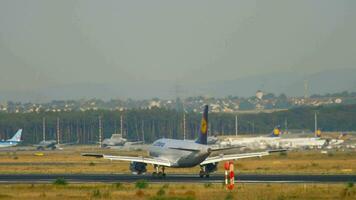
203, 132
16, 137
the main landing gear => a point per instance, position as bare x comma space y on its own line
158, 173
203, 172
206, 170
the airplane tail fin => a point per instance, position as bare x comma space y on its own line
276, 131
16, 137
203, 132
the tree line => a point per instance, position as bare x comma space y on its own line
150, 124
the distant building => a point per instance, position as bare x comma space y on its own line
338, 100
259, 94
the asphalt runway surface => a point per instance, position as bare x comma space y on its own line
177, 178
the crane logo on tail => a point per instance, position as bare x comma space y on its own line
203, 127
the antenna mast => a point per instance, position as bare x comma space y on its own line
143, 133
58, 130
236, 126
306, 89
315, 123
121, 123
44, 129
100, 132
183, 125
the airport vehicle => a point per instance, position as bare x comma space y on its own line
180, 154
15, 140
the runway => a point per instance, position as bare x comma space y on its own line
177, 178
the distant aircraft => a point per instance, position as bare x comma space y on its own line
46, 144
180, 154
13, 141
118, 140
52, 145
275, 141
260, 142
212, 140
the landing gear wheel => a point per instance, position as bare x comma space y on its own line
157, 173
40, 148
201, 174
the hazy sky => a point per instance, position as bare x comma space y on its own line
54, 43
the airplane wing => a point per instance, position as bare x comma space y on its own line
134, 143
220, 158
154, 161
226, 148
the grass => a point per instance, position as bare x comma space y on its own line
161, 192
176, 191
70, 161
119, 186
350, 184
141, 184
60, 181
229, 196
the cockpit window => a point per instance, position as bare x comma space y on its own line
159, 144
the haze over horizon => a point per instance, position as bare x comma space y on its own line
144, 49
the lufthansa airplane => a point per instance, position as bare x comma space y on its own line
180, 154
13, 141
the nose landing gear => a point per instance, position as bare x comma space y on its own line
157, 173
203, 172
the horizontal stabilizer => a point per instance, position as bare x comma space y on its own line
185, 149
93, 155
226, 148
277, 150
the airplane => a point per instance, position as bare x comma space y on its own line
46, 144
52, 145
13, 141
259, 142
118, 140
175, 153
274, 140
212, 140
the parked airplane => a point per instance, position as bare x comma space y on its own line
52, 145
212, 140
13, 141
180, 154
46, 144
275, 141
118, 140
260, 142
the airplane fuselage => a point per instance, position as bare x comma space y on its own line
181, 153
8, 144
46, 144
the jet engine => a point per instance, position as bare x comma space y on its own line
209, 168
212, 167
138, 167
